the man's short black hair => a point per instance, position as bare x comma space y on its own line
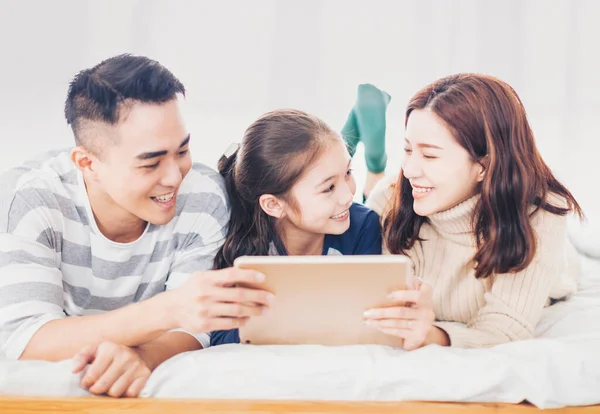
100, 93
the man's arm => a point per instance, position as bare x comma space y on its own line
122, 371
205, 303
170, 344
132, 325
206, 233
32, 320
33, 324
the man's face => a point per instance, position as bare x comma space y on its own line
142, 171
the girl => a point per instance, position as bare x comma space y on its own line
481, 216
291, 188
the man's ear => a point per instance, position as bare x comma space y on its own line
272, 205
85, 161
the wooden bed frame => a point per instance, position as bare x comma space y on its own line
28, 405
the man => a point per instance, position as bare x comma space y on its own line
90, 237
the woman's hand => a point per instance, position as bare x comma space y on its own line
412, 322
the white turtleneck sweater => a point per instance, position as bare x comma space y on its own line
503, 307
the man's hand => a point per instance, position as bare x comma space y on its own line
116, 370
213, 300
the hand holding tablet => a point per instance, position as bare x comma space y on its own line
322, 299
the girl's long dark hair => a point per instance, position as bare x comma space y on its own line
488, 119
272, 156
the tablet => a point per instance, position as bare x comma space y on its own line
321, 299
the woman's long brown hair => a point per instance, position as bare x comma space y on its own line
488, 119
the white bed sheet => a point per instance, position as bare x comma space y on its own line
560, 368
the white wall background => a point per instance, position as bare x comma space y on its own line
239, 58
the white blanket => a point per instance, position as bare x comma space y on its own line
561, 368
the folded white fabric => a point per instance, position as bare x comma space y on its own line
546, 372
39, 378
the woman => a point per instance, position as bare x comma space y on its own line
481, 216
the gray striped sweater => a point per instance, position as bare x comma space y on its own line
55, 263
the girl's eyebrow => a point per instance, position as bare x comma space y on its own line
333, 176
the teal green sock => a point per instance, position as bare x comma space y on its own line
367, 123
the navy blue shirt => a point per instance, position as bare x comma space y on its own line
362, 237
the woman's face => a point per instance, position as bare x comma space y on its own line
440, 171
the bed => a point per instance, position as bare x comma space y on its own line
103, 404
560, 369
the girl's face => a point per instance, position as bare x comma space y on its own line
440, 171
323, 195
